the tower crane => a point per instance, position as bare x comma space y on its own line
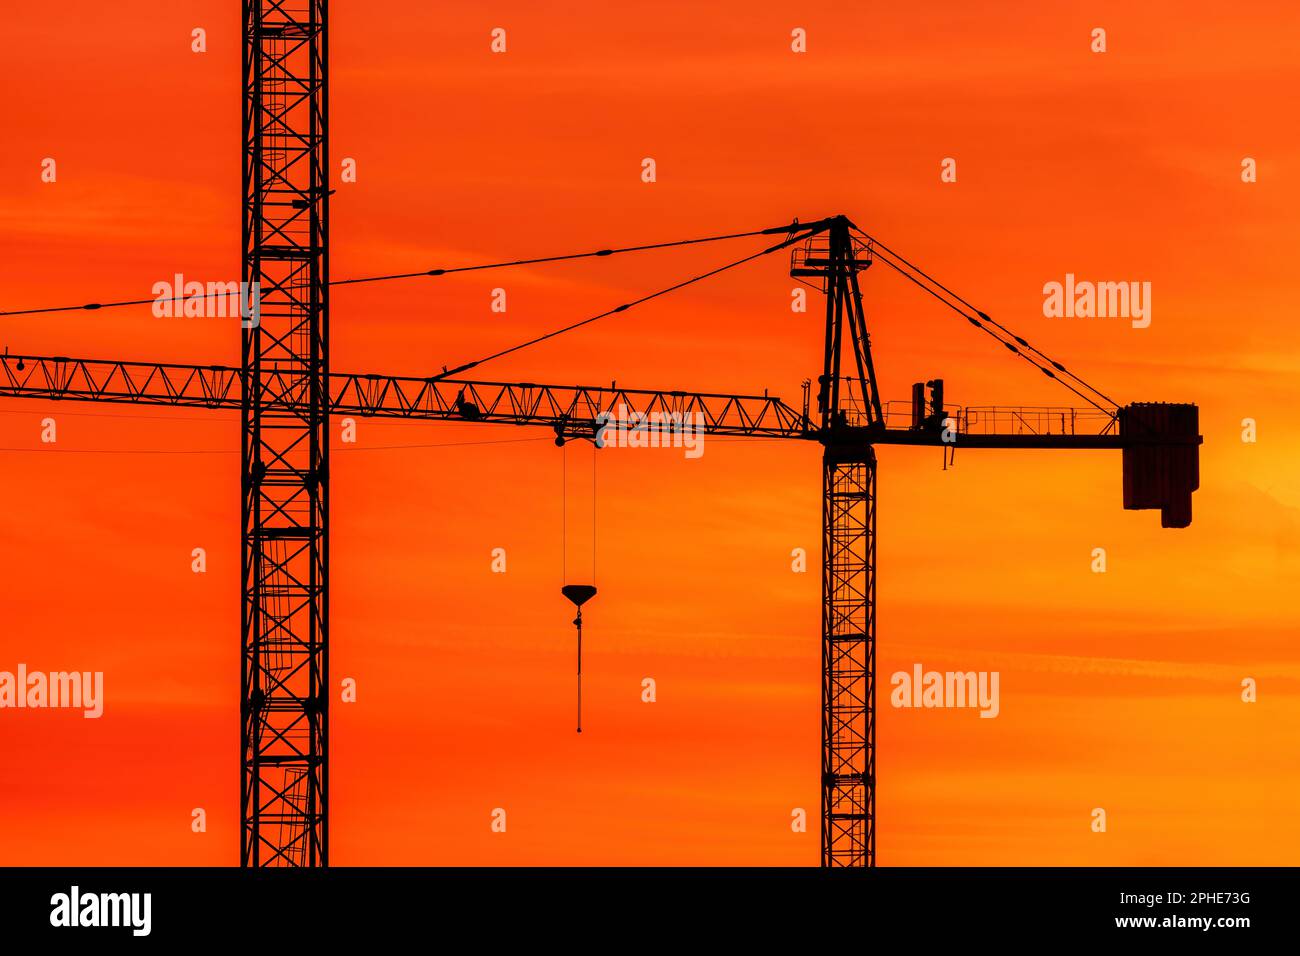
285, 392
1159, 445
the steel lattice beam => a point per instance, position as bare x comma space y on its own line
285, 451
848, 656
575, 408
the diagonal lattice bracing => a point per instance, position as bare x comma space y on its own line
285, 406
848, 656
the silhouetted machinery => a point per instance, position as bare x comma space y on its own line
285, 392
1161, 460
1159, 443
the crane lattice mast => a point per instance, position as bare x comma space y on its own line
284, 501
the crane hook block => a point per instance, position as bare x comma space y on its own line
579, 594
1162, 462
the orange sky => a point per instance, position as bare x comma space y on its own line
1118, 690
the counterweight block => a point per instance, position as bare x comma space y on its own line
1162, 466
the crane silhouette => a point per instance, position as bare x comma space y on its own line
286, 393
